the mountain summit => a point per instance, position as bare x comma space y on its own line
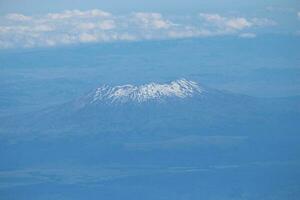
156, 110
181, 88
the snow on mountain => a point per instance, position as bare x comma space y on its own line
181, 88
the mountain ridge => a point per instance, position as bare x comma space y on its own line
180, 107
181, 88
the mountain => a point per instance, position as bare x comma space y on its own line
157, 110
158, 135
149, 92
214, 145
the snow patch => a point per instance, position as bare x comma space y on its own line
181, 88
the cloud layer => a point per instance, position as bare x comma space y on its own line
75, 26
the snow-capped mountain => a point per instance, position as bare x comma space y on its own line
181, 88
157, 110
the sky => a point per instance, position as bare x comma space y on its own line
30, 24
125, 6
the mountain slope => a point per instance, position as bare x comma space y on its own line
157, 110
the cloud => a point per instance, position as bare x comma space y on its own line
151, 21
17, 17
226, 23
247, 35
78, 14
279, 9
107, 25
43, 28
233, 24
263, 22
86, 26
188, 32
85, 37
76, 26
103, 25
298, 15
238, 23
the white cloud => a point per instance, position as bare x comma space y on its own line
263, 22
127, 37
107, 25
26, 29
298, 14
279, 9
103, 25
189, 31
86, 26
42, 28
79, 14
226, 23
238, 23
75, 26
4, 29
50, 43
152, 20
85, 37
230, 24
247, 35
17, 17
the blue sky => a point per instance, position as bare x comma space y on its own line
169, 6
30, 23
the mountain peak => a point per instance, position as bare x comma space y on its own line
180, 88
